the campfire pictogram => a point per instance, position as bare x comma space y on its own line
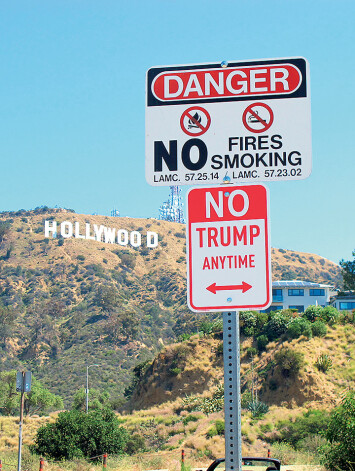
192, 124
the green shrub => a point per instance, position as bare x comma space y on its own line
81, 257
312, 313
299, 326
310, 423
219, 426
257, 408
219, 349
289, 361
277, 325
319, 329
324, 362
347, 317
135, 444
76, 434
248, 322
339, 453
261, 342
175, 371
251, 352
216, 429
189, 418
330, 315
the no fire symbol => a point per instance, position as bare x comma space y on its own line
258, 117
195, 121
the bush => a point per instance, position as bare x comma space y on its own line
216, 429
76, 435
261, 342
257, 408
248, 322
277, 324
312, 313
339, 453
251, 352
330, 315
310, 423
324, 362
135, 444
289, 361
189, 418
299, 326
319, 329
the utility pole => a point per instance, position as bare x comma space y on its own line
87, 387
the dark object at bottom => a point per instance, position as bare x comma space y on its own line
263, 464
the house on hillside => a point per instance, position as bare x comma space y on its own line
299, 295
344, 301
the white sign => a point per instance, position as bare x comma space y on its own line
228, 248
100, 233
248, 121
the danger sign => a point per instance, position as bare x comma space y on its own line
247, 120
228, 248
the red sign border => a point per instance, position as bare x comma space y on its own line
267, 252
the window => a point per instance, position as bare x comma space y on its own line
277, 295
346, 306
272, 308
317, 292
296, 292
299, 308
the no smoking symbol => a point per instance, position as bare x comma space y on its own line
258, 117
195, 121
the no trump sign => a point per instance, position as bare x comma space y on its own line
228, 248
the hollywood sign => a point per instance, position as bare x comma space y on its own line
100, 233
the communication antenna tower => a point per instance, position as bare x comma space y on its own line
115, 213
173, 209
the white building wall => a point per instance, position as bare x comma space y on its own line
303, 300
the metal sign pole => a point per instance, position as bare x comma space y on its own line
21, 422
232, 406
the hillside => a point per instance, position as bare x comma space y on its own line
200, 365
180, 389
70, 302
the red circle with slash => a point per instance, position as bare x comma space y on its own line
258, 117
195, 121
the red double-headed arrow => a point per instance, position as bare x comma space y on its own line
214, 288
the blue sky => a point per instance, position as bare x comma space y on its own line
72, 94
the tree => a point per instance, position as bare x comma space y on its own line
339, 453
97, 400
289, 361
106, 297
9, 398
122, 326
40, 399
76, 434
348, 273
